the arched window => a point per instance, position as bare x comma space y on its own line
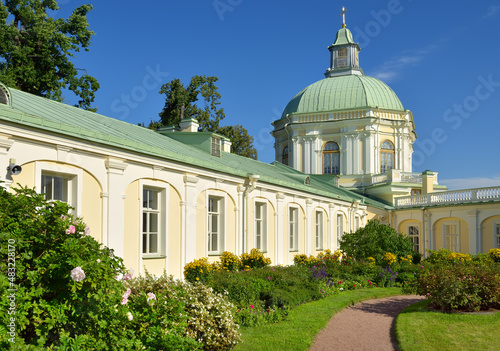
284, 156
331, 158
386, 156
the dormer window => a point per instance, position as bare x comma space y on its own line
216, 142
4, 95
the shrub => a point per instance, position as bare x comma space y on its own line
66, 292
374, 240
230, 262
202, 315
254, 260
463, 285
494, 255
198, 271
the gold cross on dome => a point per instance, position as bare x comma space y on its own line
343, 16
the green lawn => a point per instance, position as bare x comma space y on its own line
305, 321
420, 329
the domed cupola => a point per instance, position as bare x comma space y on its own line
344, 59
346, 124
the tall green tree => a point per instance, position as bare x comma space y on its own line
36, 50
201, 100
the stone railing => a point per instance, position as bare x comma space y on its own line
450, 197
396, 176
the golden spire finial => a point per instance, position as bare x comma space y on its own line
343, 16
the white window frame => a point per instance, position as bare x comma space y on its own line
74, 176
340, 227
319, 218
260, 223
221, 218
357, 222
455, 236
215, 148
293, 228
412, 236
496, 234
162, 212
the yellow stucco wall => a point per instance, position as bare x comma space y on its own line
403, 229
26, 177
463, 231
92, 205
488, 240
89, 194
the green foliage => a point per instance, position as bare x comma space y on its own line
461, 285
494, 254
263, 295
198, 313
184, 102
254, 259
36, 50
230, 262
375, 240
42, 249
198, 271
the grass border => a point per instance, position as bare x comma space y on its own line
304, 322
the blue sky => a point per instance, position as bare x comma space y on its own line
441, 58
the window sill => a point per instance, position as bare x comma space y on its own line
295, 250
153, 257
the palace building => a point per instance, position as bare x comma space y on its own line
163, 198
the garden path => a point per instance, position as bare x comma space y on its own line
368, 325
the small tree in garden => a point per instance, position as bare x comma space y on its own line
375, 240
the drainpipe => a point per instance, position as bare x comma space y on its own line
253, 179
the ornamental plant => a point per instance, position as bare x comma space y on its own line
464, 285
60, 281
494, 254
375, 240
185, 310
255, 259
198, 271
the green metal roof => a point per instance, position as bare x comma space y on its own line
344, 93
344, 36
54, 117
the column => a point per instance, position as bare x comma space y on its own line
5, 145
279, 228
115, 205
332, 229
307, 221
356, 154
474, 247
188, 240
306, 155
369, 154
239, 220
295, 154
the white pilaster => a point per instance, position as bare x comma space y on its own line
295, 153
188, 240
115, 205
279, 228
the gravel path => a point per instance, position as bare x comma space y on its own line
368, 325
